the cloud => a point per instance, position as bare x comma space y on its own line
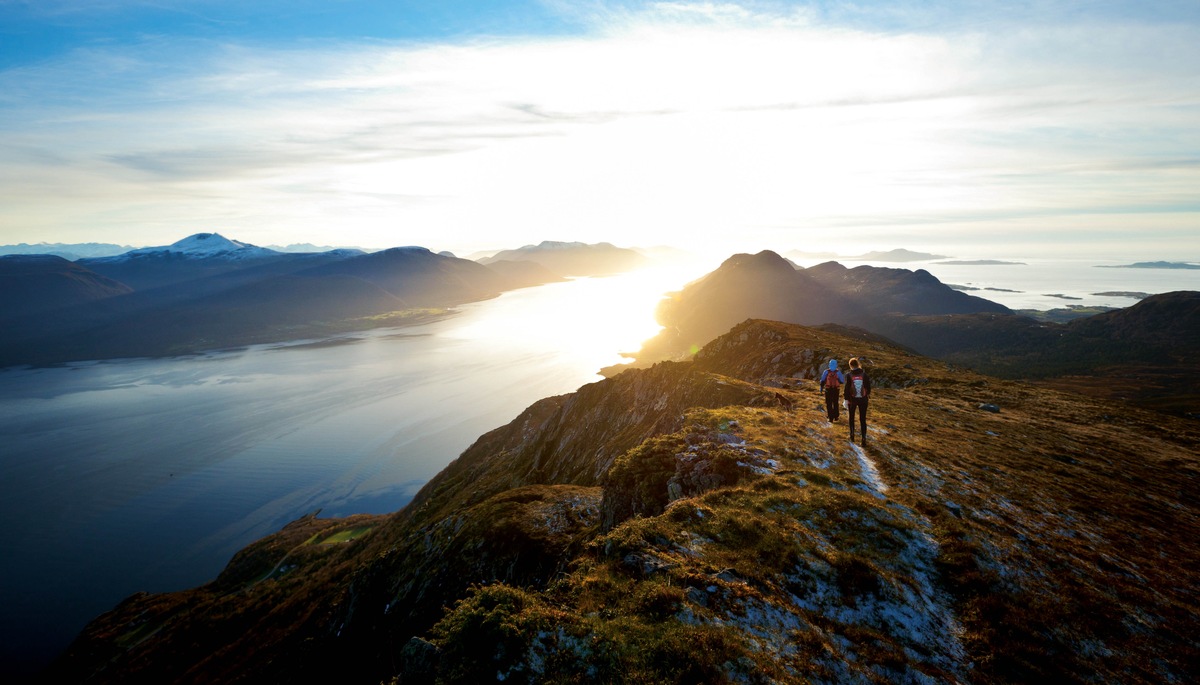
668, 122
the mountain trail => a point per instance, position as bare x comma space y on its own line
869, 472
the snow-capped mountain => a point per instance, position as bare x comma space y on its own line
201, 246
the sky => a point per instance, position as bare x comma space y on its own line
965, 128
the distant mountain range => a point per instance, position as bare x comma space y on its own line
896, 255
702, 522
68, 251
207, 291
574, 259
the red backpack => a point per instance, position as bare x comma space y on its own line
831, 380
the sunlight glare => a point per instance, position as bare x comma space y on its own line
593, 318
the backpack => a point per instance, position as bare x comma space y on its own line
856, 385
831, 379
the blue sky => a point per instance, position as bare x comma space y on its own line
964, 128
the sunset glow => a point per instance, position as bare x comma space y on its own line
732, 127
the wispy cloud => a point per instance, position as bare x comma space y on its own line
709, 123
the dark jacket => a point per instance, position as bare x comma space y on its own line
852, 379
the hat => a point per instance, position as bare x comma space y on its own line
832, 363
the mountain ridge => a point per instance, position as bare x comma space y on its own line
765, 285
573, 258
208, 292
702, 521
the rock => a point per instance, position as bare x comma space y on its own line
419, 658
990, 407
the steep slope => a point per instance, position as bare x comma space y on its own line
702, 522
36, 284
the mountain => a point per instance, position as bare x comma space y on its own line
36, 284
419, 276
767, 286
208, 292
522, 273
309, 247
198, 256
701, 521
574, 259
68, 251
1141, 353
898, 255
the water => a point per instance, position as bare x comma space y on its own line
148, 474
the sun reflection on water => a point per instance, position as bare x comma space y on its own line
593, 318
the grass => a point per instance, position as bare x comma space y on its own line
345, 535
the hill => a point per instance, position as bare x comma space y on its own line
1143, 353
36, 284
701, 521
574, 259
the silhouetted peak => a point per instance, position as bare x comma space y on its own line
761, 260
827, 268
407, 250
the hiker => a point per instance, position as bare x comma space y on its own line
858, 390
831, 381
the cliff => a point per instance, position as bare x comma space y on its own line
702, 521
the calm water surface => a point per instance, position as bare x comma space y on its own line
148, 474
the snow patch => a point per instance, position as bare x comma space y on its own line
869, 472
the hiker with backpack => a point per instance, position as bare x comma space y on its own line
831, 381
858, 390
